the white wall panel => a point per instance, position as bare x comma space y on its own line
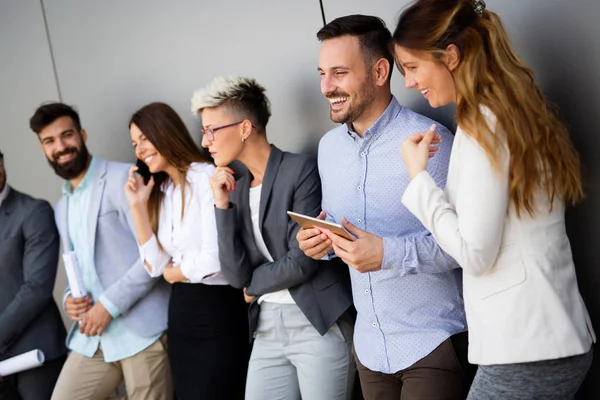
115, 56
26, 79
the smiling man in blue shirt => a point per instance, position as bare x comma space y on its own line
410, 331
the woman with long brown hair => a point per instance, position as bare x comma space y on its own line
513, 169
174, 218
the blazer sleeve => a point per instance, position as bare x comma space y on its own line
285, 272
125, 292
420, 253
40, 259
471, 229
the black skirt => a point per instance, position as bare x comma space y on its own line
208, 344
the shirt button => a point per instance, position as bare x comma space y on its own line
374, 325
367, 291
362, 154
359, 220
359, 187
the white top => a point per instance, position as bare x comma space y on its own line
521, 296
3, 193
191, 242
281, 296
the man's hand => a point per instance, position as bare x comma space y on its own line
313, 242
365, 254
76, 307
248, 299
95, 320
173, 274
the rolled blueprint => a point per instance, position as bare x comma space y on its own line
23, 362
74, 275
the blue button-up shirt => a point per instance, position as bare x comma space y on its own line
414, 302
117, 341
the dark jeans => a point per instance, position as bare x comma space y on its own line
34, 384
444, 374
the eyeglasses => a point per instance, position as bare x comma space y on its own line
210, 132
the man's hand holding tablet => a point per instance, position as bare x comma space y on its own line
312, 241
363, 253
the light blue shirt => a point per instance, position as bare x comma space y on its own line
117, 341
415, 302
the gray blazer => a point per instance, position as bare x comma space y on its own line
29, 317
291, 183
141, 300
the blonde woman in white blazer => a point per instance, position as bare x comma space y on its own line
512, 170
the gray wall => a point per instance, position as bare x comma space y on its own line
112, 57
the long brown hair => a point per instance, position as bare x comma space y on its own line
490, 74
163, 127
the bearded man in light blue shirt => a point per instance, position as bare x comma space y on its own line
118, 330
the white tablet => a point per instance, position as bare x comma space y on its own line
307, 222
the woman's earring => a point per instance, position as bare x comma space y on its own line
243, 139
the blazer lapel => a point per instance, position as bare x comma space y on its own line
243, 186
62, 220
7, 208
98, 184
268, 181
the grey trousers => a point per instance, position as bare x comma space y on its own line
290, 360
543, 380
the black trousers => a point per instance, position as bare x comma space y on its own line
208, 344
34, 384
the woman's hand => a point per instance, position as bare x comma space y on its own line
222, 182
417, 149
173, 274
136, 191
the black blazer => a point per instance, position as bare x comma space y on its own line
291, 183
29, 245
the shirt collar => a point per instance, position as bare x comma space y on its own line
382, 122
85, 182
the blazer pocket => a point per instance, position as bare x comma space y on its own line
497, 281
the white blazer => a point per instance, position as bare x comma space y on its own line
521, 297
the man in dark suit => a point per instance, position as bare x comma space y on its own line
29, 317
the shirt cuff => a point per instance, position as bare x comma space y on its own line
393, 253
64, 299
188, 269
329, 256
150, 254
110, 307
410, 198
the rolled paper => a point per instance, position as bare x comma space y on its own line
22, 362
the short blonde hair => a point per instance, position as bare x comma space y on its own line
242, 95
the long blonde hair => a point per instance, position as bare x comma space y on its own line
490, 74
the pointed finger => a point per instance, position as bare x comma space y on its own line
338, 241
351, 228
340, 252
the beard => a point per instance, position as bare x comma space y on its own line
356, 107
71, 169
